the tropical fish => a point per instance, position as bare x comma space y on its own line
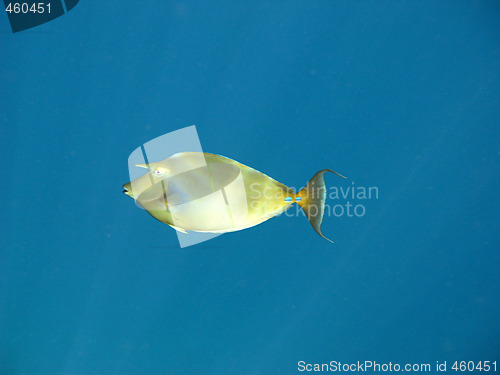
202, 192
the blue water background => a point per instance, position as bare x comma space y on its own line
402, 96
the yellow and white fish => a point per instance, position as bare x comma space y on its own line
202, 192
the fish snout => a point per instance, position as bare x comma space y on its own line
127, 189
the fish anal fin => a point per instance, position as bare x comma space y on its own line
178, 229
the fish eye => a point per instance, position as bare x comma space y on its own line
158, 171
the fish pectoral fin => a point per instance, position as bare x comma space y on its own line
179, 229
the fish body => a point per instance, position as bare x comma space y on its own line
203, 192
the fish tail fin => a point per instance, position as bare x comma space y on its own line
312, 200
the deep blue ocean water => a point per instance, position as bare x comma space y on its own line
401, 96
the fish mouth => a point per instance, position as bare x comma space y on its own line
127, 189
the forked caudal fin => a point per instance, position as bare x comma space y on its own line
312, 200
